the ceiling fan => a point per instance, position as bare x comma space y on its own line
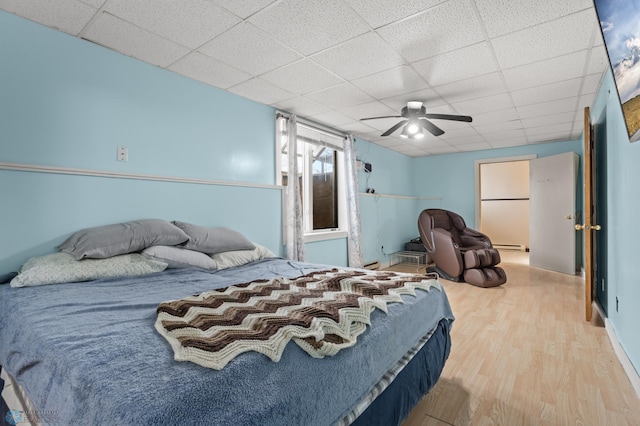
416, 118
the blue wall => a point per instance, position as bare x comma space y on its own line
450, 178
623, 232
68, 103
388, 216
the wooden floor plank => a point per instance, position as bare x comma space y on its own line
522, 354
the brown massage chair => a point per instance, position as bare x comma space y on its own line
459, 253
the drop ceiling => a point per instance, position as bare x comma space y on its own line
524, 69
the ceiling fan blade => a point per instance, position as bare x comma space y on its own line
394, 128
384, 116
435, 130
464, 118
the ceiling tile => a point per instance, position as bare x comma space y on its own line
260, 91
332, 118
437, 150
296, 23
189, 23
302, 77
482, 105
357, 127
381, 12
495, 117
473, 139
301, 106
463, 130
208, 70
428, 96
369, 109
551, 137
360, 56
499, 126
391, 82
121, 36
557, 106
95, 3
506, 16
391, 142
541, 42
435, 31
516, 134
564, 128
479, 146
472, 88
243, 8
547, 92
467, 62
505, 143
244, 47
598, 60
544, 72
585, 101
566, 117
340, 96
66, 15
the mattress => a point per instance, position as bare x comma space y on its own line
89, 354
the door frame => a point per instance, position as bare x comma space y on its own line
476, 166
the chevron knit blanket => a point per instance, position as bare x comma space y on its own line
323, 312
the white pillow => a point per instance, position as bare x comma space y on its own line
176, 257
241, 257
63, 268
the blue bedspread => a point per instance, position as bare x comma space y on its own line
89, 354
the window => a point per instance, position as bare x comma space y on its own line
320, 167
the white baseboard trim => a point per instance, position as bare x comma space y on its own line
631, 372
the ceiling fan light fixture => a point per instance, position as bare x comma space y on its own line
412, 128
407, 134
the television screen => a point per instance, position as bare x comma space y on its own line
620, 25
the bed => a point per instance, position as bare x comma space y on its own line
89, 353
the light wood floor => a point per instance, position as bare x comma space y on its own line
522, 354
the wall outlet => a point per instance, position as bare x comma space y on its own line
123, 153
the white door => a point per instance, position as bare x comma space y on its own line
552, 215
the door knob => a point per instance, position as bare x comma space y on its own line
596, 227
581, 227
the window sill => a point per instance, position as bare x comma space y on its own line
323, 236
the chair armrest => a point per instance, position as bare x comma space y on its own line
447, 255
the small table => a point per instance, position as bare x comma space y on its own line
409, 259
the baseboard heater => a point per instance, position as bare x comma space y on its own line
373, 265
520, 247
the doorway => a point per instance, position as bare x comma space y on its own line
504, 203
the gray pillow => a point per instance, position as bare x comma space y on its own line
111, 240
177, 258
213, 240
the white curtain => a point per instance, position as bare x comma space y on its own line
295, 231
356, 258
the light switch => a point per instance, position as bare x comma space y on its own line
123, 153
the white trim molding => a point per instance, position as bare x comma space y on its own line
119, 175
631, 372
